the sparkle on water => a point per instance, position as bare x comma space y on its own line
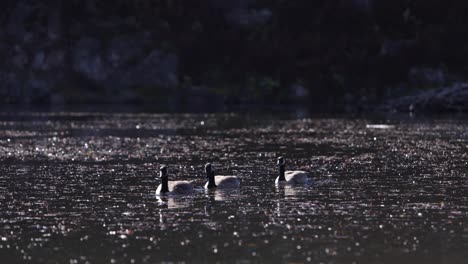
79, 188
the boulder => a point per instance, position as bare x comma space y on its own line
10, 82
298, 91
20, 59
87, 59
424, 76
16, 21
38, 62
158, 69
396, 47
248, 17
362, 5
54, 59
447, 99
36, 88
127, 48
54, 24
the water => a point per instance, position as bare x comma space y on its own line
79, 188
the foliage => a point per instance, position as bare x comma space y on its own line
334, 47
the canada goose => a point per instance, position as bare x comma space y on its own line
219, 181
290, 177
172, 187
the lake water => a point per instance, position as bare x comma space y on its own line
78, 187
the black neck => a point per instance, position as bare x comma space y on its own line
211, 179
281, 173
164, 184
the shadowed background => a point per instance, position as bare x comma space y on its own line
334, 53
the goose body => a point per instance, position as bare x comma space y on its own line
176, 188
290, 177
220, 181
294, 177
225, 182
172, 187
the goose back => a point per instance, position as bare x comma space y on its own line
177, 188
227, 181
297, 177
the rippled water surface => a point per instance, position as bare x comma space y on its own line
79, 188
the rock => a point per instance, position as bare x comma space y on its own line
299, 91
57, 99
16, 21
87, 59
424, 76
248, 17
123, 49
43, 62
38, 61
362, 5
227, 6
20, 59
90, 6
37, 87
55, 59
447, 99
10, 91
238, 13
158, 69
92, 67
395, 47
54, 24
4, 51
28, 37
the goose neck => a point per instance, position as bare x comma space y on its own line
281, 173
211, 179
164, 184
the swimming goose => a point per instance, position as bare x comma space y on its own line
219, 181
290, 177
172, 187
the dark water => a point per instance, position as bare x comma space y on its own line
79, 188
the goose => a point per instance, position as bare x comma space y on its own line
172, 187
290, 177
219, 181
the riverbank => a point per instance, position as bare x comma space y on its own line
451, 99
227, 52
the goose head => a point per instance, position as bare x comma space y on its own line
281, 166
280, 161
210, 176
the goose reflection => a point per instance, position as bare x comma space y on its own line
162, 220
288, 192
174, 202
216, 195
223, 195
286, 199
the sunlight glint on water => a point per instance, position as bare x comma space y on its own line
77, 187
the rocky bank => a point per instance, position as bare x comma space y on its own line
330, 52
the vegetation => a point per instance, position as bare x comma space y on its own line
335, 49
